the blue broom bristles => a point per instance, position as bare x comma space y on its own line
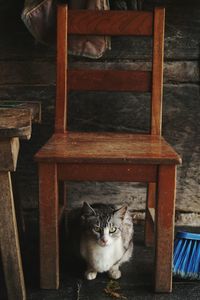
186, 261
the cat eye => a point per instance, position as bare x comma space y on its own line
112, 229
97, 228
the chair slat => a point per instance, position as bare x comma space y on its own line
157, 72
61, 80
110, 22
109, 80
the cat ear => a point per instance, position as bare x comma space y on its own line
87, 209
120, 212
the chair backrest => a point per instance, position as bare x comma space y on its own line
90, 22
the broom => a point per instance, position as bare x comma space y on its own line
186, 262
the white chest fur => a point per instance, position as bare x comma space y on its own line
101, 259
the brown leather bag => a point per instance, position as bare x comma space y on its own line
39, 17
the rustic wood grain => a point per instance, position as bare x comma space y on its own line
15, 122
107, 148
157, 72
109, 80
10, 250
111, 23
9, 149
165, 209
61, 76
35, 108
156, 107
49, 239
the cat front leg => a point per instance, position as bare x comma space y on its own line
90, 274
114, 272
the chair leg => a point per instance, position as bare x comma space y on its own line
49, 234
62, 200
149, 224
165, 210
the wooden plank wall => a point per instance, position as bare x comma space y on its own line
28, 73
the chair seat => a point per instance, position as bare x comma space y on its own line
87, 147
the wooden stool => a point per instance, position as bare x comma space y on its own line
15, 124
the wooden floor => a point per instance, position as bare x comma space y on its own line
136, 281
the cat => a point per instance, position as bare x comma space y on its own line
105, 235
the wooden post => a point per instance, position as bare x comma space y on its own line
149, 224
157, 71
10, 250
15, 123
49, 239
61, 79
156, 107
165, 210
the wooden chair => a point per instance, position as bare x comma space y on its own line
109, 156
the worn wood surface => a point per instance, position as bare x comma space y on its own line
156, 107
34, 107
10, 250
15, 123
99, 147
157, 71
164, 238
49, 234
9, 149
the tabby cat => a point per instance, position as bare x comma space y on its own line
105, 238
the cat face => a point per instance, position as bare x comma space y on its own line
102, 222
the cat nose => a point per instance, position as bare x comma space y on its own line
104, 241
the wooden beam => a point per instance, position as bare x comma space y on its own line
49, 221
15, 122
165, 213
157, 71
9, 149
9, 244
35, 107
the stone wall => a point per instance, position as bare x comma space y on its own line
28, 73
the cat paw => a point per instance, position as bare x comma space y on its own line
115, 274
90, 275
